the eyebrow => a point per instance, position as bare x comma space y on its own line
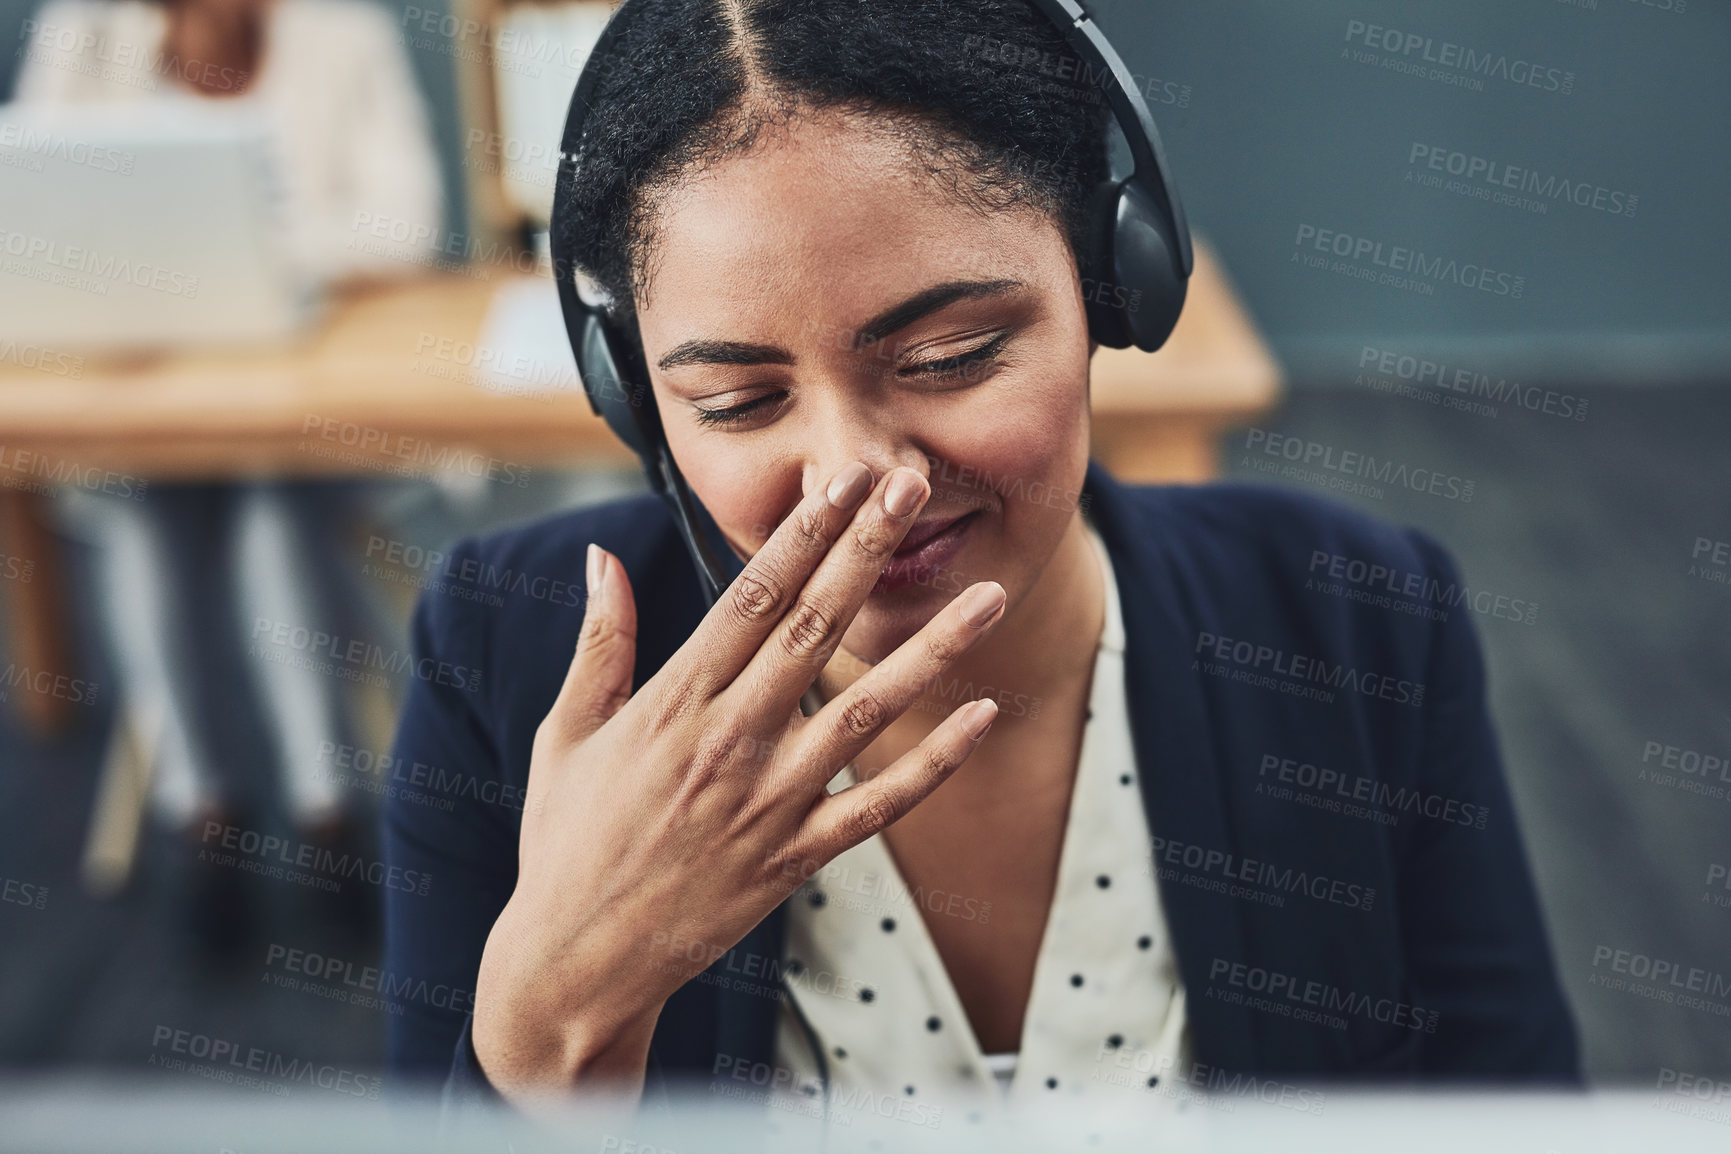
891, 320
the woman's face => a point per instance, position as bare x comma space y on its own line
819, 300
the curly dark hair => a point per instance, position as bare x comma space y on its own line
984, 93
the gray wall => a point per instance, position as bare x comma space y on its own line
1283, 130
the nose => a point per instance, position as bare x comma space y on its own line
880, 446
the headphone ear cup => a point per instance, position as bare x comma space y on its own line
1105, 324
1137, 287
622, 402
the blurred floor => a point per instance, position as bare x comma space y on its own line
1594, 520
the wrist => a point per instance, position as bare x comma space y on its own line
544, 1027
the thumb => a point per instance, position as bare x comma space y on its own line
598, 683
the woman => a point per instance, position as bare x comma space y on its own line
351, 135
849, 250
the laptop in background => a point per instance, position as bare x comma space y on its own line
143, 225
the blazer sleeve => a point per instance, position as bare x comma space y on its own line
453, 816
1471, 920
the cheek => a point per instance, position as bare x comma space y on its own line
1021, 445
746, 494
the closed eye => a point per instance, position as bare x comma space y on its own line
732, 413
962, 364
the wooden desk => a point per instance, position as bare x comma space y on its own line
368, 394
370, 374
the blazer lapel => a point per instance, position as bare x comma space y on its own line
1182, 789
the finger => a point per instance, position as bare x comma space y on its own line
735, 626
801, 643
837, 733
840, 821
598, 683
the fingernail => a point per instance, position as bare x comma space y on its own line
981, 603
902, 494
978, 717
847, 487
593, 579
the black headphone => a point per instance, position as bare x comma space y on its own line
1138, 261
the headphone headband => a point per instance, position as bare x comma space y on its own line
1129, 109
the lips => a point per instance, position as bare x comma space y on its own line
924, 531
925, 550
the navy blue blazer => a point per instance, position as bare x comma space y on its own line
1338, 857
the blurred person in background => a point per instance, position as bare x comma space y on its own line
352, 135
